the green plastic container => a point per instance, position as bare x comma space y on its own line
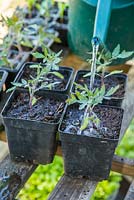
112, 23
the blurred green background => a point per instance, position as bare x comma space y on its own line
44, 179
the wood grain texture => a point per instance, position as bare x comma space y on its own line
71, 189
122, 165
128, 103
3, 150
130, 193
13, 175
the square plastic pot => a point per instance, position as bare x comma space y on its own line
86, 156
31, 140
68, 71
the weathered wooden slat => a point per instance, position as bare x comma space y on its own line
123, 165
130, 193
13, 175
128, 104
3, 136
3, 150
71, 189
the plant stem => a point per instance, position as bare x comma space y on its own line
86, 114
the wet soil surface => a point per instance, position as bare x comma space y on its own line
109, 82
110, 122
61, 85
45, 110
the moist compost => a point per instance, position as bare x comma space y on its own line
110, 122
46, 109
109, 82
51, 78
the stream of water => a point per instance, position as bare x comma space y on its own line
95, 47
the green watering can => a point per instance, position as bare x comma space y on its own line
110, 20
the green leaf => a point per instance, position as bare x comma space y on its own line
38, 55
112, 91
100, 68
17, 84
58, 40
24, 81
35, 66
88, 74
125, 54
116, 51
34, 100
11, 89
114, 72
84, 123
72, 99
27, 43
82, 106
58, 74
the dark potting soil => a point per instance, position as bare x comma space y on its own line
110, 122
109, 82
45, 110
51, 78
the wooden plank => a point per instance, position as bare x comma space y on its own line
123, 165
3, 150
128, 103
3, 136
71, 189
13, 175
130, 193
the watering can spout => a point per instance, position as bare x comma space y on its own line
102, 19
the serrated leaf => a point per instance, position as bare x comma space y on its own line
84, 123
112, 91
38, 55
125, 54
116, 51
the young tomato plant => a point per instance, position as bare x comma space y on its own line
87, 100
51, 60
105, 58
15, 38
41, 80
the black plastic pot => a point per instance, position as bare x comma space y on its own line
86, 156
114, 101
31, 140
12, 72
68, 71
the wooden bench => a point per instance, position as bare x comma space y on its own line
13, 175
